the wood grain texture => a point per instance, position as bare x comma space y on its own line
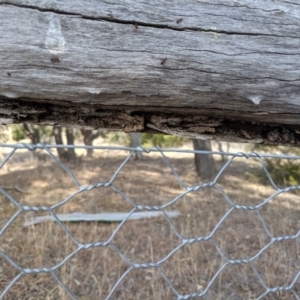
234, 62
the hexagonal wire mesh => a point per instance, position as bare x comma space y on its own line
211, 241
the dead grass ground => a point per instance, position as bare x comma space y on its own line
92, 273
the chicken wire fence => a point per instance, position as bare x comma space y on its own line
286, 287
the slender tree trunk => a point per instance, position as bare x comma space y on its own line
32, 131
205, 165
63, 153
58, 140
135, 141
87, 133
71, 155
224, 157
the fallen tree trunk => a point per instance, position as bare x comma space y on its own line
220, 69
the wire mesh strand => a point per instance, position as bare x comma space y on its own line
161, 208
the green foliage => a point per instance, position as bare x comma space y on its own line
46, 133
284, 172
120, 138
162, 140
17, 132
148, 139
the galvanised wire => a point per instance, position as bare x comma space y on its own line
188, 189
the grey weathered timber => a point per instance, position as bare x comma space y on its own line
206, 69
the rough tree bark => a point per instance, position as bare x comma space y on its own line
70, 154
32, 132
205, 165
64, 154
220, 69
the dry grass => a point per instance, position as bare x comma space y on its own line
92, 273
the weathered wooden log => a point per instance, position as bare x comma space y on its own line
211, 69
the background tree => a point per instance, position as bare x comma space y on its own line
162, 140
284, 172
33, 132
136, 141
66, 154
36, 133
89, 136
204, 163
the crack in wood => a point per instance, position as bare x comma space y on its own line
138, 23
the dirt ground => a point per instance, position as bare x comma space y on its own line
92, 273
